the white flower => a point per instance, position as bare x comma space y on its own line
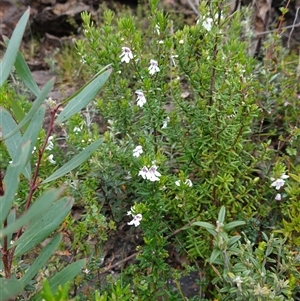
165, 123
86, 271
136, 220
126, 55
141, 99
76, 129
207, 24
150, 174
50, 144
50, 102
33, 150
187, 182
278, 197
50, 158
157, 28
153, 68
143, 172
181, 42
137, 151
278, 183
153, 175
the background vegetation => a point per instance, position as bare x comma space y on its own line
178, 180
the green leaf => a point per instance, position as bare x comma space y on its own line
295, 177
233, 240
234, 224
32, 133
11, 52
7, 124
9, 288
81, 99
41, 260
10, 220
35, 211
215, 256
73, 163
41, 228
11, 181
37, 103
61, 278
205, 225
221, 216
25, 74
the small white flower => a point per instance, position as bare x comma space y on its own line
181, 42
278, 183
141, 99
153, 68
86, 271
126, 55
150, 174
153, 175
76, 129
50, 158
143, 172
137, 151
136, 220
207, 24
50, 144
187, 182
50, 102
278, 197
33, 150
160, 42
165, 123
157, 28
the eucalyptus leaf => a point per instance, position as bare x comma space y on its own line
37, 103
26, 75
41, 260
62, 277
74, 162
41, 228
11, 180
9, 288
35, 211
11, 52
80, 100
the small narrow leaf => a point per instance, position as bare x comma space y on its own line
73, 163
41, 260
221, 216
79, 101
11, 52
234, 224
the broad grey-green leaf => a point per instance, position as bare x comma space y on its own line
73, 163
11, 182
7, 125
32, 133
35, 211
41, 260
79, 101
25, 74
41, 228
11, 52
9, 288
64, 276
37, 103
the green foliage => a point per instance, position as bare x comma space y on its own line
43, 212
245, 272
